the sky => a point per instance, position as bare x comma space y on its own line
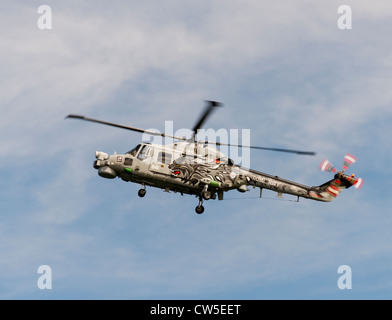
283, 69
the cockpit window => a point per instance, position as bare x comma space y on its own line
128, 161
143, 152
134, 151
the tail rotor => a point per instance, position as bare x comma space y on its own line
325, 165
349, 159
359, 184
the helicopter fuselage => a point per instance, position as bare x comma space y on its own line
190, 168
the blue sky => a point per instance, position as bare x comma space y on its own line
283, 70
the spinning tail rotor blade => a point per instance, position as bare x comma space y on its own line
359, 184
325, 165
349, 159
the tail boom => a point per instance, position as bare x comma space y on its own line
325, 192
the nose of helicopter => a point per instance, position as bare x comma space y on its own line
101, 155
102, 165
101, 159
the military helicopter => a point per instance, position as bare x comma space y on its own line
193, 167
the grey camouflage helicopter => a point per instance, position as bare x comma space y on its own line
197, 168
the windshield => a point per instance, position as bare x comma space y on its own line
134, 151
143, 152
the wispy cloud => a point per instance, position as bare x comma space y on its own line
284, 70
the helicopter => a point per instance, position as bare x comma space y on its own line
198, 168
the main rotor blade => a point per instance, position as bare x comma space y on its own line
210, 107
74, 116
310, 153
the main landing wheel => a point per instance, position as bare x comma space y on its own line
199, 209
141, 193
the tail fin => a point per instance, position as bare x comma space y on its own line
331, 189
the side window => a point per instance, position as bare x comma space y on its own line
164, 157
127, 162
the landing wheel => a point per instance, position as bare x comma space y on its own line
141, 193
206, 195
199, 209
